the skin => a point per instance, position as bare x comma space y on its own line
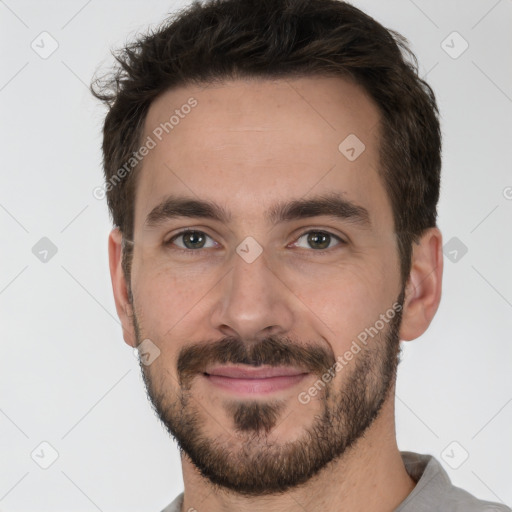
247, 145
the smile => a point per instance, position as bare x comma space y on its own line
250, 380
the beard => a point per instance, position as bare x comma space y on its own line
244, 459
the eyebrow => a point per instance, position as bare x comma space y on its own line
329, 205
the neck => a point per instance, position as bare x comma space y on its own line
370, 476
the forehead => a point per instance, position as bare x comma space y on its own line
247, 144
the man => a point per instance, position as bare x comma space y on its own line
272, 169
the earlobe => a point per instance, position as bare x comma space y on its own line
119, 286
423, 290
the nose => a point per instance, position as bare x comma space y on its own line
254, 301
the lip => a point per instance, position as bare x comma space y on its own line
240, 372
247, 380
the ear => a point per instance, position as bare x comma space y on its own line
119, 286
423, 289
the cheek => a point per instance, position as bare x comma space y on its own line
346, 295
346, 298
165, 295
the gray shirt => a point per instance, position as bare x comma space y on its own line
434, 491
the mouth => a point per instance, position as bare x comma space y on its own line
251, 380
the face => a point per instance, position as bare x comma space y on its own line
290, 258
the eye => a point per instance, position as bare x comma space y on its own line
320, 240
192, 240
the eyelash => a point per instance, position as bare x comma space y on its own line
191, 252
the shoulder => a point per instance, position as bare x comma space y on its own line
435, 491
175, 505
459, 500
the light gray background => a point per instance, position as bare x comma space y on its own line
66, 375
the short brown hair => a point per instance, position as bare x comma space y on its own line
236, 39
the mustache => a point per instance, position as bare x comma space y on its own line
270, 351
